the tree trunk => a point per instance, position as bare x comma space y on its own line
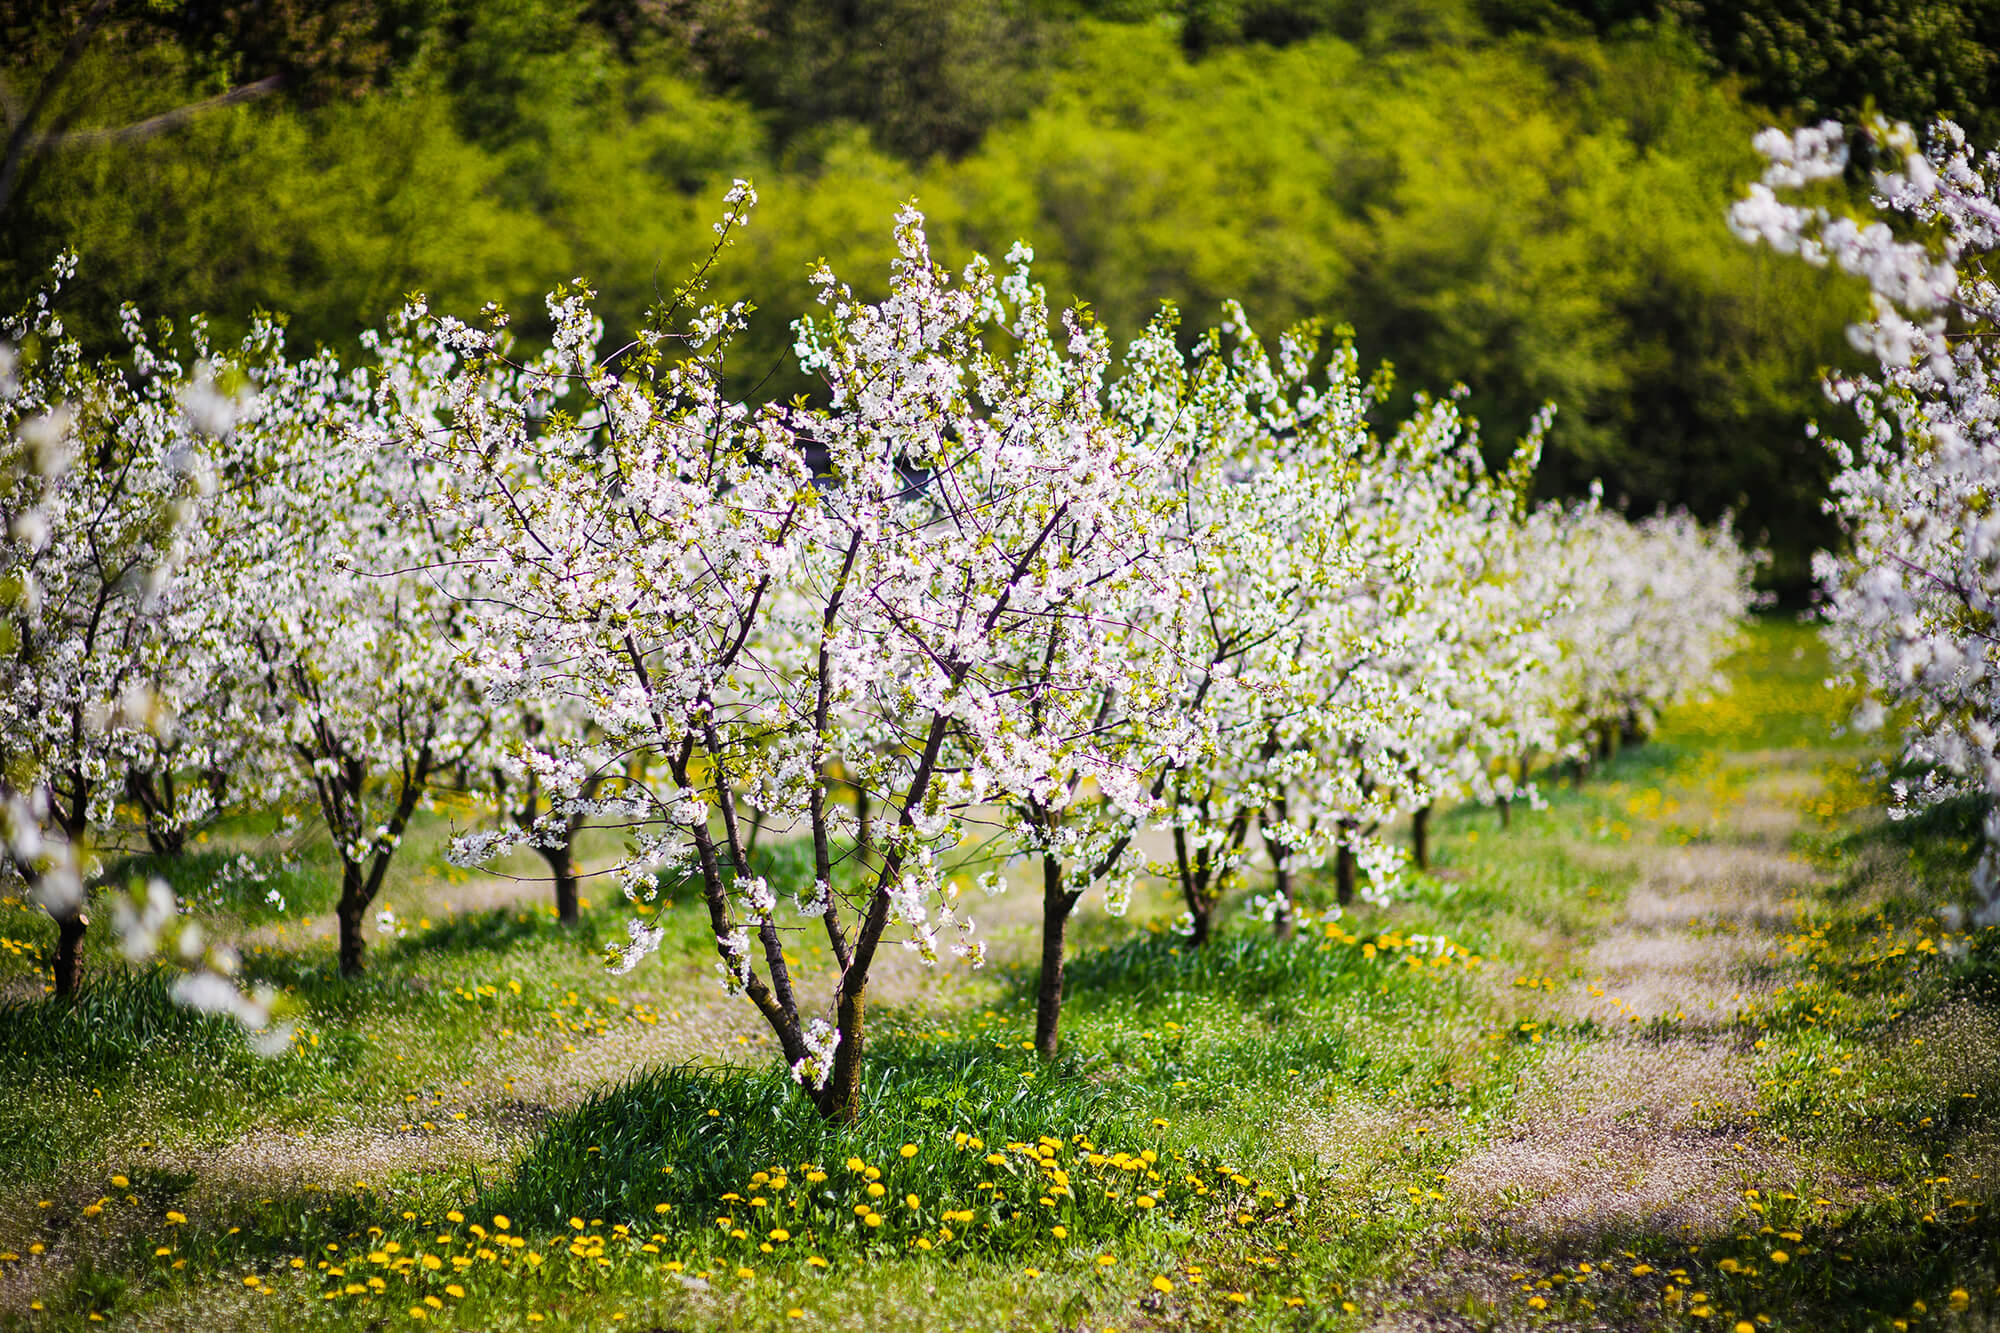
1284, 921
353, 904
1607, 743
1506, 807
1343, 875
70, 928
1420, 836
1057, 904
1195, 872
839, 1102
1204, 925
562, 866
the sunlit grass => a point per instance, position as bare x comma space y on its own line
490, 1131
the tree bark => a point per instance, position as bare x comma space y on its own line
70, 929
1506, 808
1284, 922
1420, 836
353, 904
839, 1102
1057, 904
1343, 875
863, 843
562, 867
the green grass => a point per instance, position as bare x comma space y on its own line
489, 1121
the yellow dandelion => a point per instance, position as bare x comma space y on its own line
1780, 1257
1163, 1284
500, 1222
908, 1150
746, 1273
911, 1201
454, 1291
1060, 1233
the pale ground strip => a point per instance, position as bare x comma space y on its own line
1650, 1126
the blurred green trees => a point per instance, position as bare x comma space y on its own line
1504, 199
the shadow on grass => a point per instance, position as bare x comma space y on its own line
687, 1137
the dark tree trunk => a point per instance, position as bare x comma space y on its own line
562, 867
1420, 836
840, 1100
863, 843
157, 802
1195, 870
353, 906
1343, 875
1204, 925
1284, 921
1057, 904
70, 929
1506, 808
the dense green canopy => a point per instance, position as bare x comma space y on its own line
1519, 196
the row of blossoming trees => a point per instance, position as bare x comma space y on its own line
1914, 603
991, 605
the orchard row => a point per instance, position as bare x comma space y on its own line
994, 604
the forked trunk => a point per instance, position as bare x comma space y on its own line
1204, 924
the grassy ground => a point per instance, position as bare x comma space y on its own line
1689, 1048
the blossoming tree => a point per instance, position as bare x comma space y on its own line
1914, 602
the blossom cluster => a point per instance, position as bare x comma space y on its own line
1914, 600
